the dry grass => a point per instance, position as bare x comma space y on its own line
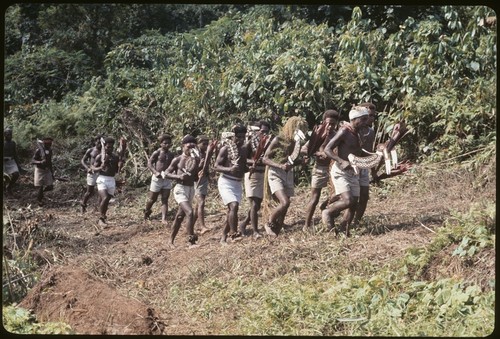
203, 290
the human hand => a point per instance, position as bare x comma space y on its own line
234, 169
344, 164
321, 155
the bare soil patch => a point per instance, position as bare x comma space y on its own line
111, 281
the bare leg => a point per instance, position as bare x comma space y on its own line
246, 221
311, 206
90, 191
165, 194
363, 202
233, 219
13, 178
103, 207
199, 213
347, 218
39, 196
278, 214
254, 215
226, 229
152, 197
328, 214
179, 217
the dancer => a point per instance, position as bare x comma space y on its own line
320, 175
345, 179
44, 172
108, 164
254, 178
87, 161
231, 164
206, 149
280, 157
183, 170
158, 162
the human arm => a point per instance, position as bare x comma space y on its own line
152, 163
221, 159
332, 144
86, 158
97, 165
37, 158
171, 171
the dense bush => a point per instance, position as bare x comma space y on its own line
437, 72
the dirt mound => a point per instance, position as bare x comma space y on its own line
73, 296
107, 281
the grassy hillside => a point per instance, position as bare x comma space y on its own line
421, 264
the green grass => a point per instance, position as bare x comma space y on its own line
309, 291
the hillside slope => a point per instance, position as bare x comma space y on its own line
124, 279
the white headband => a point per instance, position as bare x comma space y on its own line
357, 112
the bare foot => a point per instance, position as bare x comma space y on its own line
257, 235
203, 230
327, 220
236, 237
269, 230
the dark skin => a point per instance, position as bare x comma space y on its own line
45, 161
109, 166
368, 142
224, 165
255, 202
199, 212
277, 216
87, 160
346, 143
176, 171
10, 150
158, 162
321, 160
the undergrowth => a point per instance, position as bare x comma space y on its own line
302, 286
20, 321
305, 296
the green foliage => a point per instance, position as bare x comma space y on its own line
264, 63
43, 74
310, 293
476, 230
18, 320
19, 275
471, 232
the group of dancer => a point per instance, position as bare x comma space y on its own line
248, 159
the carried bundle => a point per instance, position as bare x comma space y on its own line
264, 141
384, 150
233, 151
